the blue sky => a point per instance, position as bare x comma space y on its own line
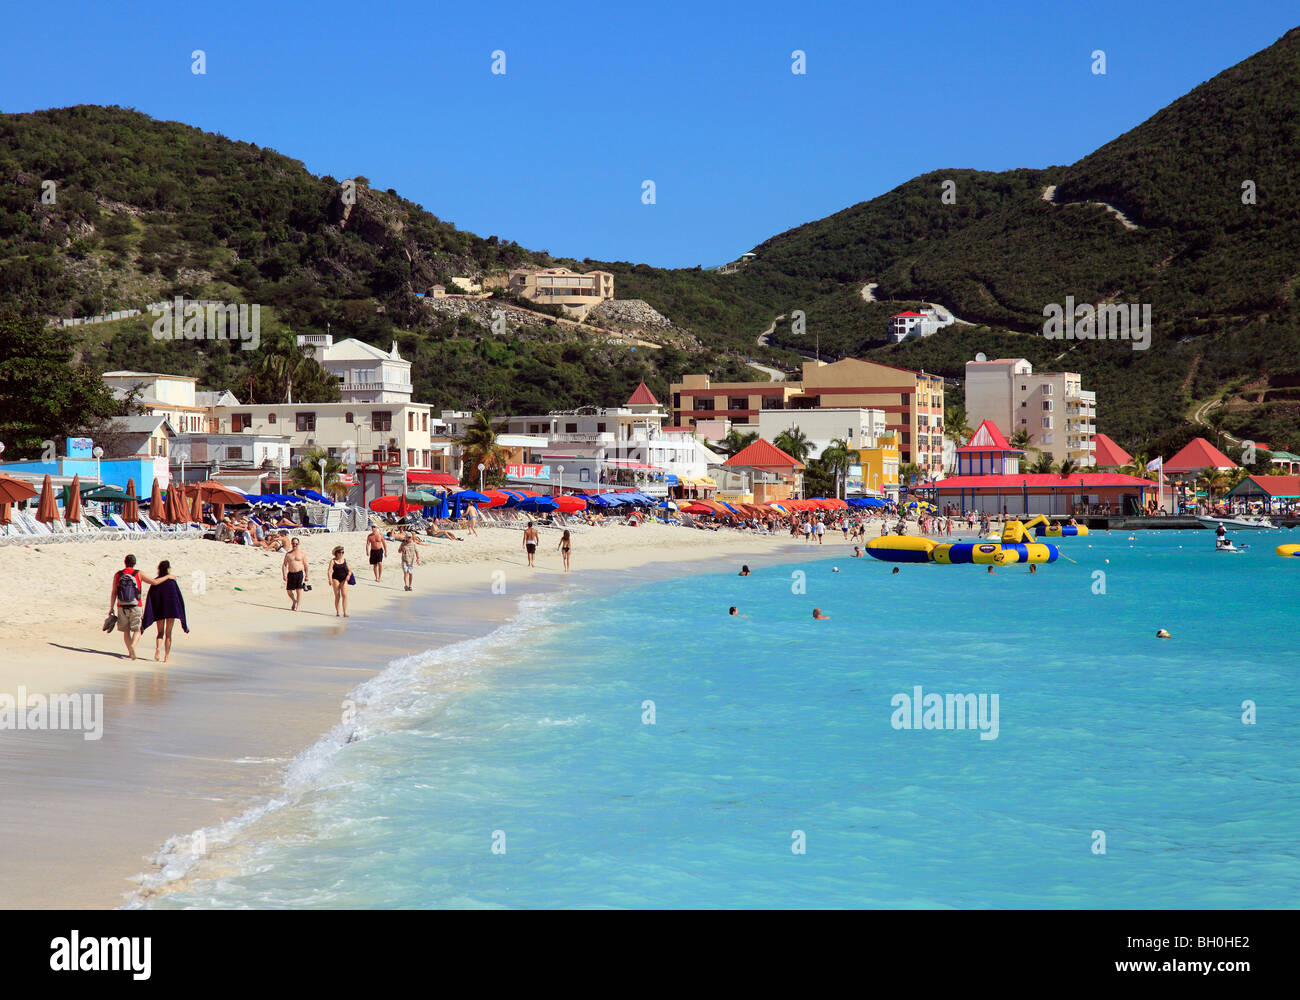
597, 98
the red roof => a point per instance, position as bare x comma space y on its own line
642, 397
763, 455
1198, 454
1274, 486
1088, 480
896, 315
990, 438
432, 479
1108, 452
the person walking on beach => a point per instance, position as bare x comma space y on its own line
821, 532
164, 604
124, 600
530, 543
807, 533
339, 573
294, 573
410, 557
565, 547
471, 519
377, 547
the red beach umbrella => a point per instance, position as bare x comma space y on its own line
196, 508
157, 509
47, 510
569, 504
393, 504
495, 498
13, 490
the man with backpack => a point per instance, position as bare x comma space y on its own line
128, 598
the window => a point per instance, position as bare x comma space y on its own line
234, 454
571, 428
704, 404
677, 400
381, 420
305, 421
270, 418
347, 417
584, 475
1047, 389
1047, 405
238, 421
410, 420
737, 402
773, 403
1047, 423
410, 456
1047, 438
424, 421
600, 428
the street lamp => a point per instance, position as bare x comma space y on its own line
322, 480
98, 453
481, 468
560, 470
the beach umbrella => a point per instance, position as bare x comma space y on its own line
496, 498
72, 510
131, 512
218, 511
472, 496
196, 508
668, 505
570, 504
47, 510
392, 504
156, 510
13, 490
539, 505
780, 508
697, 508
426, 497
171, 510
211, 491
4, 514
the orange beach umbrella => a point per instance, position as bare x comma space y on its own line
157, 510
131, 509
47, 510
72, 512
13, 490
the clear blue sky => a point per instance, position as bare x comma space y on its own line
596, 98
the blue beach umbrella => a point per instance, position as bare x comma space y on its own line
539, 505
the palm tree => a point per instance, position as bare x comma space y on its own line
794, 443
1043, 465
281, 362
1068, 467
1020, 440
306, 474
1212, 479
479, 446
736, 441
955, 426
908, 472
837, 458
1137, 466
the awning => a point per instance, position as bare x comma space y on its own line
432, 478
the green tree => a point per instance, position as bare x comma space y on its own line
306, 474
794, 443
1043, 464
479, 446
1212, 479
908, 473
1019, 439
818, 480
283, 369
735, 441
837, 458
43, 395
1069, 467
955, 426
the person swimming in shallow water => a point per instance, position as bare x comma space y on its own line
818, 616
744, 571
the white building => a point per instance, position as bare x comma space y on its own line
859, 427
365, 373
925, 323
1059, 416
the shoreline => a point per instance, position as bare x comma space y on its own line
198, 742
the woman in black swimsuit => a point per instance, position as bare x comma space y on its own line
338, 572
565, 546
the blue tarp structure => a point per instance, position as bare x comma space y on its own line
313, 495
867, 502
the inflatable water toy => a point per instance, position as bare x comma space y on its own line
1012, 546
1060, 530
1288, 550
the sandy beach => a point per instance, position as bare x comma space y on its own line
195, 742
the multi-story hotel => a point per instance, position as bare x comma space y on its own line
365, 373
1051, 407
912, 402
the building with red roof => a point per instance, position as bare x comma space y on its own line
1197, 455
1108, 454
763, 470
642, 396
1269, 490
988, 452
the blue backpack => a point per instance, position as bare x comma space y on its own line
128, 588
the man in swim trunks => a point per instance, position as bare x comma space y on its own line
294, 573
377, 547
530, 543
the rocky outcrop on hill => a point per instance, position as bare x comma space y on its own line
629, 313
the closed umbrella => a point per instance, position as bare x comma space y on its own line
219, 511
196, 508
157, 509
72, 512
131, 512
4, 514
47, 510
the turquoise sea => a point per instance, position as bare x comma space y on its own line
523, 769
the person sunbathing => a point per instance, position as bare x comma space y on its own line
436, 532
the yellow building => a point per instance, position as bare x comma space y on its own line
879, 467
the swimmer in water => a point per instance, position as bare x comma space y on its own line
857, 552
1162, 634
1033, 568
895, 569
818, 616
732, 611
744, 571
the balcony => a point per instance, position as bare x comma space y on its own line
375, 387
590, 437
